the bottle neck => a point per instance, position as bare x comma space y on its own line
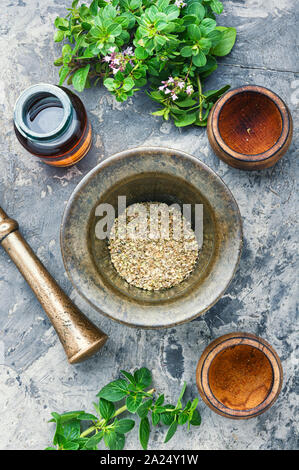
43, 112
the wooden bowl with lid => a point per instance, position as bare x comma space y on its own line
239, 375
250, 128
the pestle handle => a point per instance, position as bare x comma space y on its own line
78, 335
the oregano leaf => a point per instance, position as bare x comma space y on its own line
106, 408
144, 432
80, 77
171, 431
114, 391
143, 377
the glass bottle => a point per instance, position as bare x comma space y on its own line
51, 123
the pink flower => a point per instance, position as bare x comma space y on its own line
167, 91
161, 88
170, 80
181, 85
174, 97
128, 51
189, 90
180, 3
107, 58
115, 71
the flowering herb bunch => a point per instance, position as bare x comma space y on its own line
106, 427
170, 45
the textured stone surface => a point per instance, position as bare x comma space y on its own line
34, 375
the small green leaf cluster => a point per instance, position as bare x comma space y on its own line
168, 45
106, 427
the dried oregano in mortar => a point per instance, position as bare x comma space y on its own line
152, 246
171, 45
78, 430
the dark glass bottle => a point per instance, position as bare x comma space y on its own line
51, 123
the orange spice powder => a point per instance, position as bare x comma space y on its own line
240, 377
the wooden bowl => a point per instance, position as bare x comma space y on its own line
151, 174
239, 375
250, 128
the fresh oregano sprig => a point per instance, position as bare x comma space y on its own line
171, 45
71, 432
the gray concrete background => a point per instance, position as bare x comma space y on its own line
35, 377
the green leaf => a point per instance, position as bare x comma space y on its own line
66, 49
58, 36
128, 376
171, 431
227, 41
209, 67
214, 36
80, 77
186, 103
207, 25
110, 84
114, 440
140, 53
213, 95
114, 29
216, 6
179, 403
155, 418
205, 45
63, 73
168, 417
194, 404
185, 120
196, 9
128, 84
143, 377
144, 432
61, 23
200, 59
71, 446
71, 430
133, 402
64, 417
162, 4
186, 51
58, 61
191, 19
124, 425
160, 112
94, 7
160, 400
106, 408
117, 389
172, 12
183, 418
194, 32
87, 417
143, 409
94, 440
134, 4
196, 419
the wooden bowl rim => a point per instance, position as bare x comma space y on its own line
222, 343
279, 103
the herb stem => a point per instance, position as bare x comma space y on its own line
199, 97
88, 431
117, 412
